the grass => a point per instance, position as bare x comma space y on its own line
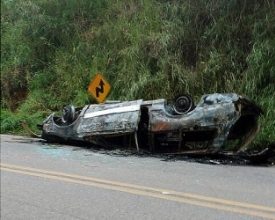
50, 50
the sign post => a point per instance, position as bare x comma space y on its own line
99, 88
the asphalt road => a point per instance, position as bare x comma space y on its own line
44, 181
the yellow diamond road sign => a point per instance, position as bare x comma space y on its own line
99, 88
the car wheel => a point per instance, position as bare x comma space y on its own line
68, 114
183, 104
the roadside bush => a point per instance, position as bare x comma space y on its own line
11, 123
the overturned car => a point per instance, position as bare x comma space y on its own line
218, 123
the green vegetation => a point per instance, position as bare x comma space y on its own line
51, 49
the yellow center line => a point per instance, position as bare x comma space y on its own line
193, 199
212, 199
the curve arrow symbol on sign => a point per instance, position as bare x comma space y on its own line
100, 89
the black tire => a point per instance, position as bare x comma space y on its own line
68, 114
183, 104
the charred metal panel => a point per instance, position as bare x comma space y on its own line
110, 119
216, 98
208, 115
94, 120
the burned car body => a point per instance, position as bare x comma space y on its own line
218, 123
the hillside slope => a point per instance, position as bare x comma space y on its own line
50, 50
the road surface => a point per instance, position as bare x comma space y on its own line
46, 181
